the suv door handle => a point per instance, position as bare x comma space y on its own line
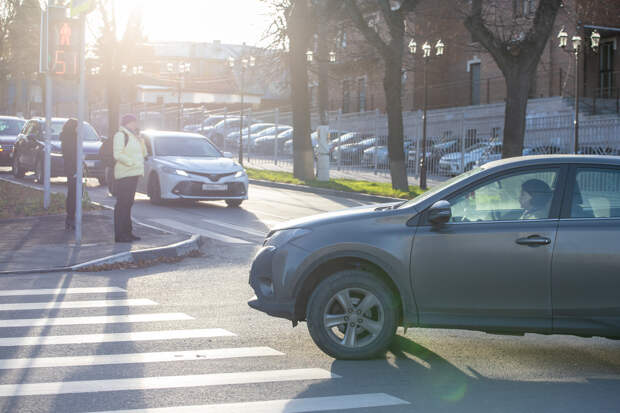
534, 240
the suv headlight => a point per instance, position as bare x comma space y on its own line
240, 174
173, 171
283, 237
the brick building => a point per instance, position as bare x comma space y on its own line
466, 74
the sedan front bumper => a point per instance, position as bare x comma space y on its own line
202, 188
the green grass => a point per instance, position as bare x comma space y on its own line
348, 185
18, 201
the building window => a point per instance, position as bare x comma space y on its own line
361, 94
346, 95
474, 73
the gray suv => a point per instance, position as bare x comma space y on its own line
523, 245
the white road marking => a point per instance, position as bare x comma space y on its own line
197, 230
57, 291
76, 304
114, 337
163, 382
106, 319
237, 228
310, 404
156, 357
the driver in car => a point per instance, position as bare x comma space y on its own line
535, 198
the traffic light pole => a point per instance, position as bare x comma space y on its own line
80, 136
48, 114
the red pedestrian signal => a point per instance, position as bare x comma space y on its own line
64, 47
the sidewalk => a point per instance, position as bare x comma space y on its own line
43, 243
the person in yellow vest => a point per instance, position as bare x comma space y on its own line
129, 154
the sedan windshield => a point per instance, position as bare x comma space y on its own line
189, 147
11, 126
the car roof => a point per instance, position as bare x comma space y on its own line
152, 133
558, 159
12, 118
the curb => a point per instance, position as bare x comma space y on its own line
177, 250
325, 191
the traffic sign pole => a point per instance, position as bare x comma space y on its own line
49, 85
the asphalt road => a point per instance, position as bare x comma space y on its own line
195, 342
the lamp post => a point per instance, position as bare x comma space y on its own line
426, 56
183, 68
245, 63
595, 39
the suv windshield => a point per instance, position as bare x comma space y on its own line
11, 126
189, 147
89, 136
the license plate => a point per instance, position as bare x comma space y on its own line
90, 164
214, 187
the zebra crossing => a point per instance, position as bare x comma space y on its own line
31, 387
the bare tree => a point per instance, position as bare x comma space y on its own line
8, 11
391, 51
516, 43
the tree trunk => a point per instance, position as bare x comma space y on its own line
323, 53
299, 33
518, 82
396, 152
113, 101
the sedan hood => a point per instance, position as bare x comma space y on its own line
350, 214
207, 165
8, 139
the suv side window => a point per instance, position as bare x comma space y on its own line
520, 196
596, 193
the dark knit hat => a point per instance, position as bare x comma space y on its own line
127, 119
539, 190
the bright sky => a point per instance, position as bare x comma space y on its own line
231, 21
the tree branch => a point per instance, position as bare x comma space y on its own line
362, 25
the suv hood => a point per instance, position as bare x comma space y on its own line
9, 139
350, 214
207, 165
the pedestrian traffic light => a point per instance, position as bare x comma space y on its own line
64, 47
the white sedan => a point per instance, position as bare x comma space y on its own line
188, 166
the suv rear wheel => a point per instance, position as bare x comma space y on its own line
352, 315
18, 171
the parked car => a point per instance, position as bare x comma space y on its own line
351, 153
29, 152
332, 136
232, 139
223, 128
524, 237
209, 123
188, 166
381, 154
598, 150
450, 164
10, 127
265, 144
266, 132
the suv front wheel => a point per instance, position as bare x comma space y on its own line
352, 315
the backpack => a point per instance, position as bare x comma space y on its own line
106, 151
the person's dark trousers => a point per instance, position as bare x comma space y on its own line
125, 193
70, 205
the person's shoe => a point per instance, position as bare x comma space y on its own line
135, 237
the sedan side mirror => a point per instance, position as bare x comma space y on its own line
440, 212
228, 155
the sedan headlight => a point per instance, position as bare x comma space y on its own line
173, 171
282, 237
240, 174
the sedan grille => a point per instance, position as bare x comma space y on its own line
213, 177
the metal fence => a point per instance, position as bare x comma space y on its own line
457, 139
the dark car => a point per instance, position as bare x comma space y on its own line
521, 245
29, 152
9, 129
352, 153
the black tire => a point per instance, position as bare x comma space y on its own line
383, 315
154, 190
39, 171
234, 203
17, 170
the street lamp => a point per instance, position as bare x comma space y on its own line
595, 40
245, 63
182, 69
426, 56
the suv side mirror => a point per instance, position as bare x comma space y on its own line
228, 155
440, 212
